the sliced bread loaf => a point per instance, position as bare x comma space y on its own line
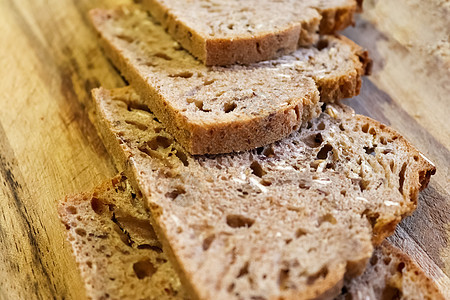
237, 31
391, 274
220, 110
114, 271
115, 246
286, 221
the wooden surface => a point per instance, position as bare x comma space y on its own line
50, 60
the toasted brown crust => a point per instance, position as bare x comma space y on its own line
257, 47
250, 131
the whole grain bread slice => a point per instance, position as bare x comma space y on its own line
109, 225
285, 221
221, 110
235, 31
116, 249
391, 274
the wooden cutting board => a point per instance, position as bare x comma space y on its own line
49, 62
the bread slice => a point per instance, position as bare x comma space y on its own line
121, 270
286, 221
220, 110
115, 246
236, 31
391, 274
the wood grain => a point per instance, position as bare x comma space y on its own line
50, 60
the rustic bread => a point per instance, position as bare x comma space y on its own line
97, 219
286, 221
391, 274
115, 246
220, 110
236, 31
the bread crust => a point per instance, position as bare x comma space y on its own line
249, 132
259, 46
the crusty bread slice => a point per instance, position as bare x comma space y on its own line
115, 246
119, 265
221, 110
391, 274
236, 31
286, 221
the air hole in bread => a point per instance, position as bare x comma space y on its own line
150, 247
179, 190
139, 125
392, 165
268, 151
400, 267
208, 241
162, 55
144, 268
244, 270
182, 157
387, 260
303, 184
372, 131
323, 153
199, 105
80, 232
300, 232
373, 260
391, 293
230, 288
309, 125
321, 126
258, 48
257, 169
365, 128
238, 221
159, 141
257, 298
125, 38
230, 26
322, 273
383, 140
208, 81
327, 218
71, 210
370, 150
401, 176
266, 182
314, 140
283, 278
229, 106
322, 44
184, 74
371, 216
137, 106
